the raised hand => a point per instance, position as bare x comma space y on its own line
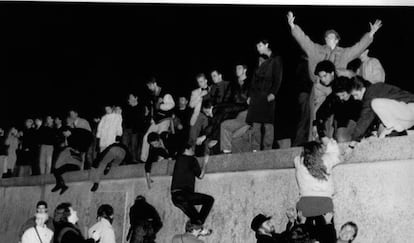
291, 19
374, 27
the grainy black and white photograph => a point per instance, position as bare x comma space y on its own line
214, 122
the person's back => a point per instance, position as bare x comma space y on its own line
185, 171
309, 185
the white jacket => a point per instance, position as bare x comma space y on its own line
310, 186
104, 229
109, 127
30, 235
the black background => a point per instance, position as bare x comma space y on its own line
54, 56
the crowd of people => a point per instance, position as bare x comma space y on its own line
345, 98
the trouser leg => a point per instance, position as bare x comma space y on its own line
268, 136
394, 114
256, 136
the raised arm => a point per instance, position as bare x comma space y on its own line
304, 41
355, 51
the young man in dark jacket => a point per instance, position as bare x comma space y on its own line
145, 221
186, 169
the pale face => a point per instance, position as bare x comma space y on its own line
108, 109
343, 96
118, 110
73, 114
262, 48
38, 122
347, 233
267, 227
240, 70
41, 209
58, 121
202, 82
156, 144
151, 86
216, 77
73, 218
326, 78
208, 112
331, 40
49, 121
357, 94
132, 99
29, 123
182, 102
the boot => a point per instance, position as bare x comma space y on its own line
94, 187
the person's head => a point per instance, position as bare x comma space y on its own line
348, 232
13, 132
207, 108
202, 80
364, 56
216, 76
341, 87
300, 234
118, 110
38, 122
41, 207
188, 150
194, 229
357, 88
261, 224
263, 47
132, 99
65, 213
49, 121
154, 139
106, 211
332, 38
325, 70
182, 102
73, 114
152, 84
108, 109
354, 65
41, 218
241, 70
312, 159
28, 123
58, 121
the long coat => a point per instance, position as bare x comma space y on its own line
266, 80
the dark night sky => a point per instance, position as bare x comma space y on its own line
59, 55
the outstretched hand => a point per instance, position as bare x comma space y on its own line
291, 19
374, 27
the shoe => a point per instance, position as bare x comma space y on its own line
107, 169
63, 189
94, 187
56, 188
397, 134
206, 232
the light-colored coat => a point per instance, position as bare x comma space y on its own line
109, 127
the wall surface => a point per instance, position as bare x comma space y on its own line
374, 188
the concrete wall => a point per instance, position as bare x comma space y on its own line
374, 188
